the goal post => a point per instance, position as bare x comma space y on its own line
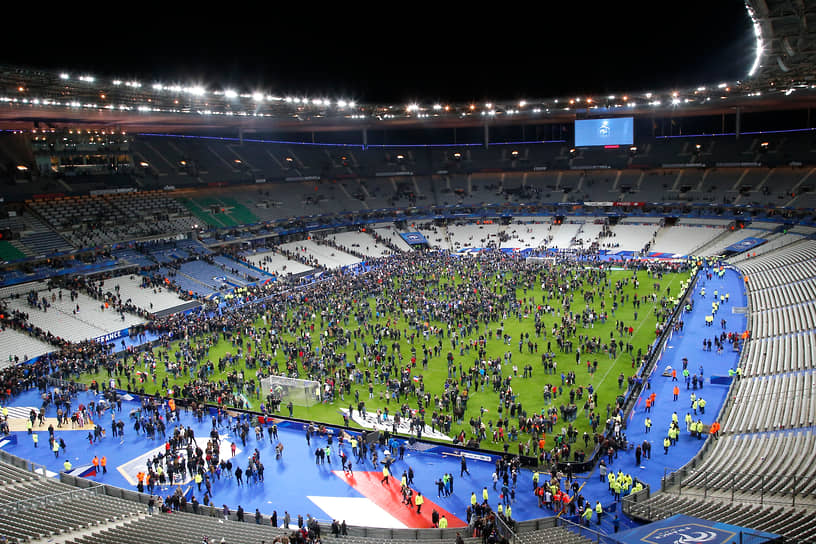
540, 260
298, 392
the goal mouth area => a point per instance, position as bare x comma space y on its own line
295, 390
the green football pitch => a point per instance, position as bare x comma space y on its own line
654, 294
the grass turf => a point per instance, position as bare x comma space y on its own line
528, 390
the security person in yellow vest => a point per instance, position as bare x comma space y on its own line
587, 515
419, 500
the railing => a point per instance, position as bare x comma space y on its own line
24, 464
36, 503
504, 530
585, 532
629, 501
727, 485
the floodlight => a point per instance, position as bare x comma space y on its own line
229, 93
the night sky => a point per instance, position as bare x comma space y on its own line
400, 53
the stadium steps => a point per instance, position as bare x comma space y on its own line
159, 154
419, 193
677, 181
234, 149
78, 318
345, 192
764, 181
804, 178
227, 164
191, 278
711, 243
67, 538
699, 187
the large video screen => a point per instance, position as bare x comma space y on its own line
613, 131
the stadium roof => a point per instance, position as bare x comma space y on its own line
782, 76
786, 40
28, 96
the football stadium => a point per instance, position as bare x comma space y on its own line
598, 308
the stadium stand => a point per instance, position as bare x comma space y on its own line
18, 346
532, 232
682, 239
323, 255
360, 242
391, 235
221, 185
564, 235
762, 469
473, 236
133, 288
275, 263
85, 512
747, 514
73, 317
34, 507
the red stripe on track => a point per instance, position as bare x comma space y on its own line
389, 498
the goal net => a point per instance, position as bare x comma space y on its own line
540, 260
284, 390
